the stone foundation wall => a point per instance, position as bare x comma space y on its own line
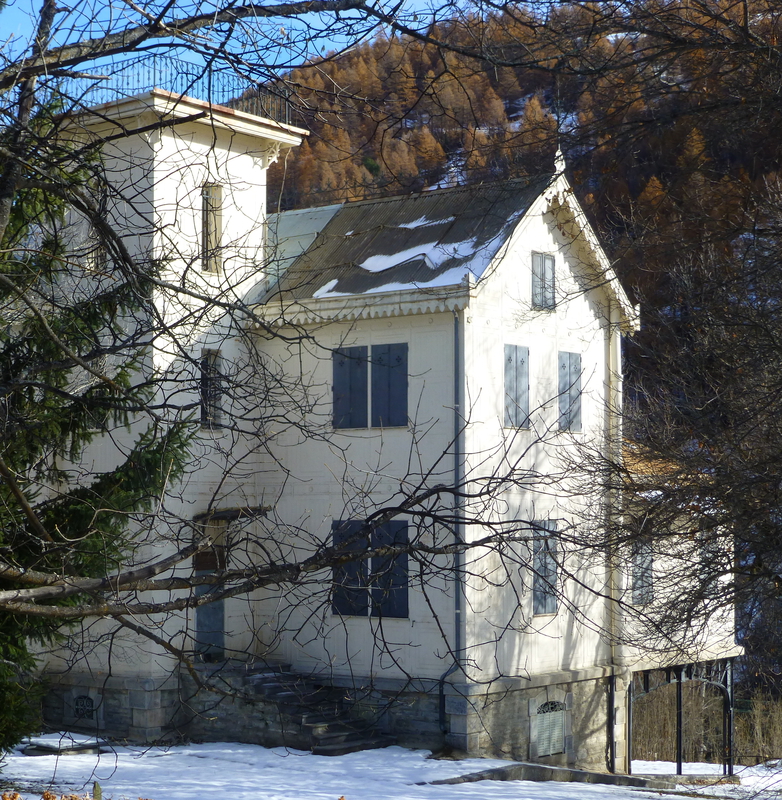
504, 722
135, 709
498, 721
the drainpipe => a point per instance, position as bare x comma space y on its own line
614, 445
458, 588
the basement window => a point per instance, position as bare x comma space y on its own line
551, 728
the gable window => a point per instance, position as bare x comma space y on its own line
569, 391
544, 567
211, 226
516, 386
370, 384
543, 281
376, 586
211, 389
642, 576
551, 728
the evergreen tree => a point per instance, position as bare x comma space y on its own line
75, 331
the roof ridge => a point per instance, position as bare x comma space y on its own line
528, 180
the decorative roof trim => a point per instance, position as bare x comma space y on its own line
376, 305
230, 514
561, 201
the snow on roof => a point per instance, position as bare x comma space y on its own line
433, 239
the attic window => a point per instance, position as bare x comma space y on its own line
543, 281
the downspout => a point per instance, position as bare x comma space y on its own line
613, 449
458, 588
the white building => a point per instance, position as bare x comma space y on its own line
397, 348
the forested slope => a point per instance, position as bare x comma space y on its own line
668, 132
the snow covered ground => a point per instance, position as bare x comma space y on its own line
227, 771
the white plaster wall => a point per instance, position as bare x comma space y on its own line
159, 175
349, 476
546, 465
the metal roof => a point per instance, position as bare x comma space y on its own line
416, 241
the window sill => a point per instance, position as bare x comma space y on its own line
371, 617
405, 427
212, 430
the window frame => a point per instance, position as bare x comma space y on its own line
551, 728
543, 281
209, 618
642, 572
375, 587
210, 388
370, 386
211, 227
545, 568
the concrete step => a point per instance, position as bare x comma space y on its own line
317, 707
342, 748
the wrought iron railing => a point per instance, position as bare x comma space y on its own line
114, 81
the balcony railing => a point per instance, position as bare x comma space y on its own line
115, 81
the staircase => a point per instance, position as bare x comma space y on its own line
293, 710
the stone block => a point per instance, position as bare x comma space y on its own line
468, 742
457, 705
145, 700
151, 717
467, 723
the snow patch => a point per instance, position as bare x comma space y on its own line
424, 222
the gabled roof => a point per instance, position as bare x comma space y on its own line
419, 241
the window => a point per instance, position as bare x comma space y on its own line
641, 577
84, 707
378, 588
544, 567
543, 281
370, 385
569, 391
209, 628
211, 227
516, 386
211, 389
551, 728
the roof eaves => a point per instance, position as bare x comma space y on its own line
561, 196
347, 308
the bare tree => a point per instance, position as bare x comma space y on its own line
157, 399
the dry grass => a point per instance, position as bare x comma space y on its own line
758, 726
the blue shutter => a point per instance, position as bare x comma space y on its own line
537, 280
575, 392
516, 386
349, 596
389, 574
350, 387
564, 393
569, 391
548, 282
389, 385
